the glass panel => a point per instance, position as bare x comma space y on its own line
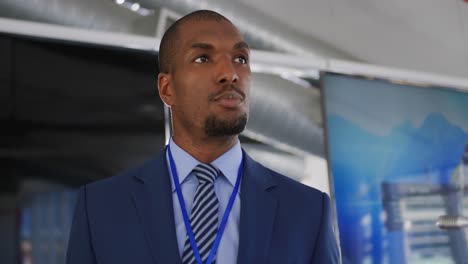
398, 158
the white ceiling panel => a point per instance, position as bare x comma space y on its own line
424, 35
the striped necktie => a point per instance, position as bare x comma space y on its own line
204, 215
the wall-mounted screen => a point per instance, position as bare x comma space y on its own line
398, 156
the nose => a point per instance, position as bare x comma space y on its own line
227, 73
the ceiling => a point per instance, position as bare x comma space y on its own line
425, 35
422, 35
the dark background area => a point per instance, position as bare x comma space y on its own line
73, 113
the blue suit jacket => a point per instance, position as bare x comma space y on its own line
129, 219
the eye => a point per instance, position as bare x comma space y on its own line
201, 59
241, 59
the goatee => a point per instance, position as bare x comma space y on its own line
215, 127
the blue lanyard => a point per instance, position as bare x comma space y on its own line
222, 226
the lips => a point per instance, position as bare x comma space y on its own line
229, 99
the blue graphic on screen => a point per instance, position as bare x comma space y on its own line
396, 154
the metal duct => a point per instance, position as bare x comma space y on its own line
98, 15
261, 31
286, 113
282, 111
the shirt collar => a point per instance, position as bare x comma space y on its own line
228, 163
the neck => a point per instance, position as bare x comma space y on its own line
205, 149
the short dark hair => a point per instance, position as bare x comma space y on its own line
170, 40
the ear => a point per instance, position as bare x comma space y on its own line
165, 88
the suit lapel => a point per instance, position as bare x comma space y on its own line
153, 200
258, 209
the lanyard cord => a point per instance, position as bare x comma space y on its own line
188, 227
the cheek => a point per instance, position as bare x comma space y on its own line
194, 102
246, 88
193, 90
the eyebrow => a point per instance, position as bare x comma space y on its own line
241, 45
202, 46
206, 46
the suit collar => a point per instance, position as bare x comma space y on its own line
153, 200
258, 210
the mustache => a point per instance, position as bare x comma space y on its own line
224, 89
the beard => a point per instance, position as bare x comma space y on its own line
215, 127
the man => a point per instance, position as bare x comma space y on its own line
203, 199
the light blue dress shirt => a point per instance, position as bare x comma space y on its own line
228, 164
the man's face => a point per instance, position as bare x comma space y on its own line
211, 79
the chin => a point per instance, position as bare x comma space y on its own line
220, 127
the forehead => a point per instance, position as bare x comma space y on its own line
212, 32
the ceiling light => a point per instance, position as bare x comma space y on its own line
135, 6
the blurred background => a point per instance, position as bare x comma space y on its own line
79, 102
